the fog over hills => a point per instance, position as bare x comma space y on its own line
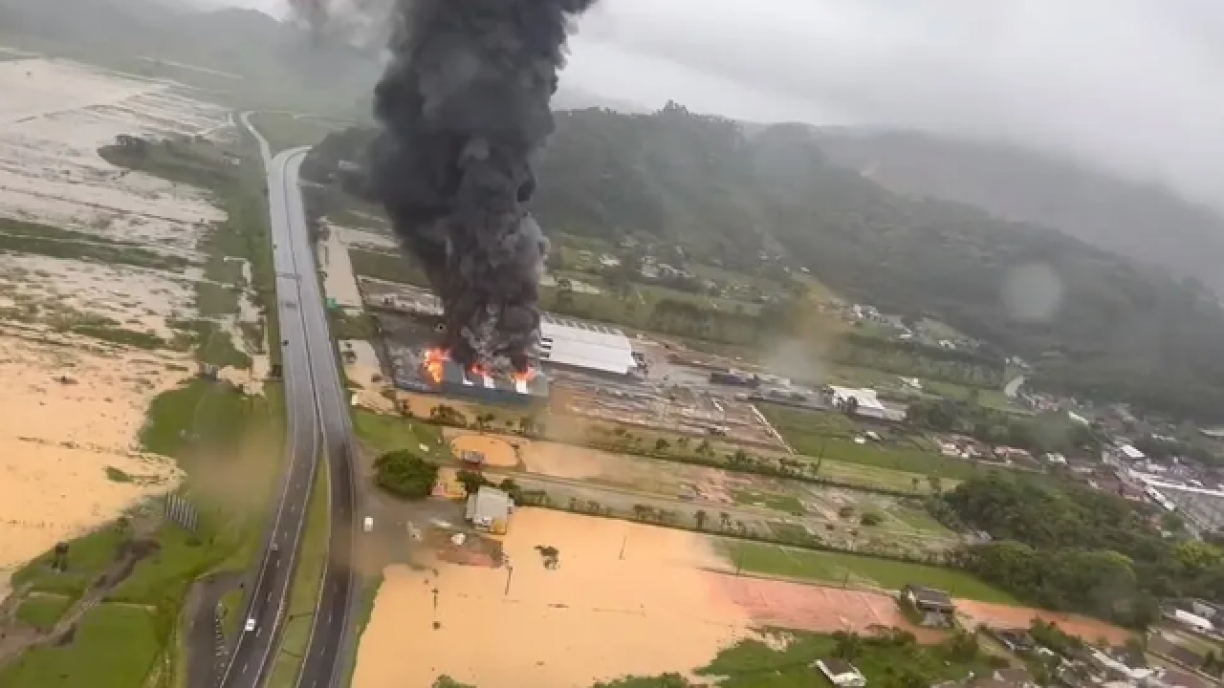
1144, 222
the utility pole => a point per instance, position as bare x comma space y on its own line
509, 577
624, 539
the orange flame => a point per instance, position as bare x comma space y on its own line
525, 376
435, 364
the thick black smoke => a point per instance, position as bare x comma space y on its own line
464, 108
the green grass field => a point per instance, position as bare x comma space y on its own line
43, 611
114, 647
830, 434
388, 433
88, 557
769, 500
836, 568
884, 478
216, 299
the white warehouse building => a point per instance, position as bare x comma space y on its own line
585, 346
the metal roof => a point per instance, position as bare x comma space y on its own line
585, 345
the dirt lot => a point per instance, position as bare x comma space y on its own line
668, 408
497, 452
621, 591
1003, 616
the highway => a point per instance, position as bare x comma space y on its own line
253, 650
323, 666
319, 425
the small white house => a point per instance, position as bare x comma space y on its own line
841, 673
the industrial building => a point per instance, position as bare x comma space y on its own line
1201, 507
451, 379
584, 346
489, 509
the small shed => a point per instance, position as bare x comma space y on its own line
840, 673
489, 509
934, 607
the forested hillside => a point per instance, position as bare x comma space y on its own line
1140, 221
1119, 332
1079, 550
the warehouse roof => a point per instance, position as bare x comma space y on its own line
585, 345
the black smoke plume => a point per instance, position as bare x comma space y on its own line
357, 23
464, 109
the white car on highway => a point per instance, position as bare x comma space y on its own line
250, 624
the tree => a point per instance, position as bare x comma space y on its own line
661, 445
472, 481
700, 517
848, 646
527, 424
405, 474
445, 681
871, 519
914, 483
511, 488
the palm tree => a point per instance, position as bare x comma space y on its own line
700, 517
848, 645
724, 519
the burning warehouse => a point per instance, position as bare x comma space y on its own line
447, 376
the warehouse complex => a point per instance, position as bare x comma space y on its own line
408, 320
584, 346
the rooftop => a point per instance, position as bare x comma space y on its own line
585, 345
866, 398
489, 503
931, 597
837, 666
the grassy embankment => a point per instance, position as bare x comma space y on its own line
837, 568
228, 445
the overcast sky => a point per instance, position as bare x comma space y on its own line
1137, 84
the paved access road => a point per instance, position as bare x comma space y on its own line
254, 649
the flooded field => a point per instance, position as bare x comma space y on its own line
96, 264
